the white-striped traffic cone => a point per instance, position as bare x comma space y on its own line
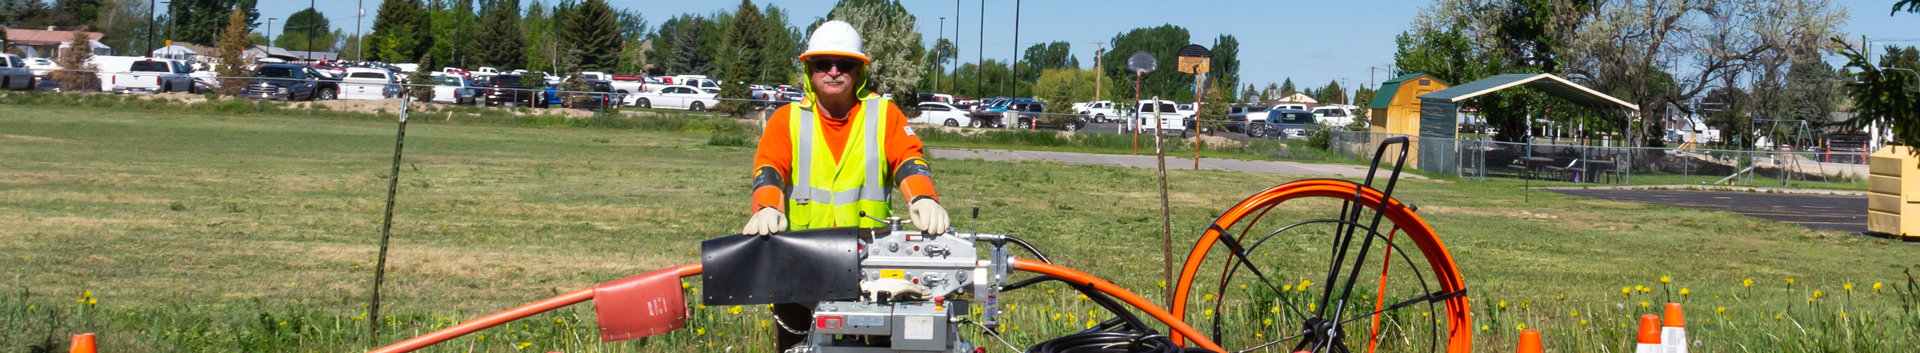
1673, 330
1650, 335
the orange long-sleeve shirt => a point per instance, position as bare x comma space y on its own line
776, 151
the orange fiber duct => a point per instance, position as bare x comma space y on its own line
510, 315
1077, 277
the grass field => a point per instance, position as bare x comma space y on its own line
185, 230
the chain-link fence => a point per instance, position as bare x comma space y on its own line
1478, 159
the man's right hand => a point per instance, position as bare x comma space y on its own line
765, 222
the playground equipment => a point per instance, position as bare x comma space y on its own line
895, 290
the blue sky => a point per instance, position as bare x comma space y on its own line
1312, 42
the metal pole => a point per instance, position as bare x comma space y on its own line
1166, 215
150, 17
980, 60
1015, 64
936, 44
386, 226
1199, 92
1135, 120
359, 46
313, 17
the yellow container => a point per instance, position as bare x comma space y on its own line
1893, 201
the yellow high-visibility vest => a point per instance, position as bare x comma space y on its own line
828, 194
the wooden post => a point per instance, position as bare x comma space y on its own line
1200, 91
1136, 113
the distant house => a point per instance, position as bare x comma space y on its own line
1396, 108
1296, 98
47, 43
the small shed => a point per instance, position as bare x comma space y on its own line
1395, 108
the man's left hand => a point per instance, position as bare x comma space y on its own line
928, 216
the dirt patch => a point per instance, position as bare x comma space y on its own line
32, 139
1217, 141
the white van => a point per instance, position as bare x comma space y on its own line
1145, 112
366, 83
1334, 115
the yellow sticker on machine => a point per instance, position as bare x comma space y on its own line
894, 274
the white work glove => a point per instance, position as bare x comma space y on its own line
897, 289
765, 222
929, 216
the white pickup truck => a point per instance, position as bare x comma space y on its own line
366, 83
150, 75
1143, 119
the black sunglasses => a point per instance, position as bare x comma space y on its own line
845, 65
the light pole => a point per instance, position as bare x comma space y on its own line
359, 44
936, 50
169, 40
270, 31
1916, 75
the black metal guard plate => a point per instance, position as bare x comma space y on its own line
793, 267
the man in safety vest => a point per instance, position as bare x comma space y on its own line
824, 160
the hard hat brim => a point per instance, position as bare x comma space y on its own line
809, 55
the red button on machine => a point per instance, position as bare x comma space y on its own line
831, 322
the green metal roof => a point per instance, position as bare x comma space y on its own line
1545, 83
1384, 96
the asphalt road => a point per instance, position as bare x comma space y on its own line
1847, 213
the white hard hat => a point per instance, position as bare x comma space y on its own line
835, 38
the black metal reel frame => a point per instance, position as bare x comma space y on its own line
1323, 334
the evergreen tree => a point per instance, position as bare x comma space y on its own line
497, 41
77, 56
453, 27
593, 29
396, 18
234, 41
746, 38
307, 30
199, 21
422, 80
687, 58
1287, 89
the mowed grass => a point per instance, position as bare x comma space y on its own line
189, 232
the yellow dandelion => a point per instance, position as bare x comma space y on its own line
1090, 323
1259, 335
523, 346
1573, 313
1083, 297
1524, 302
1243, 287
1163, 284
86, 294
1625, 290
1789, 281
685, 285
1503, 304
703, 307
1484, 328
1423, 314
1817, 294
1776, 317
1056, 316
1684, 291
1209, 297
1303, 285
1275, 310
763, 323
1665, 279
1843, 314
1046, 308
699, 331
1012, 307
1747, 283
1847, 286
1049, 291
1583, 321
734, 310
1644, 303
1209, 312
1521, 327
92, 301
1286, 288
1267, 322
1876, 286
1720, 309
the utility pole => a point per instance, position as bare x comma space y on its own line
956, 46
150, 17
980, 62
312, 18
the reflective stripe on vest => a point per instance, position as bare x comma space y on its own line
829, 194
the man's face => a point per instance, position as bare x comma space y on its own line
833, 75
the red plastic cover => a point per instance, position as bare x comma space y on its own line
640, 306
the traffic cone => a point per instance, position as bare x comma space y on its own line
83, 343
1673, 329
1530, 341
1650, 335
